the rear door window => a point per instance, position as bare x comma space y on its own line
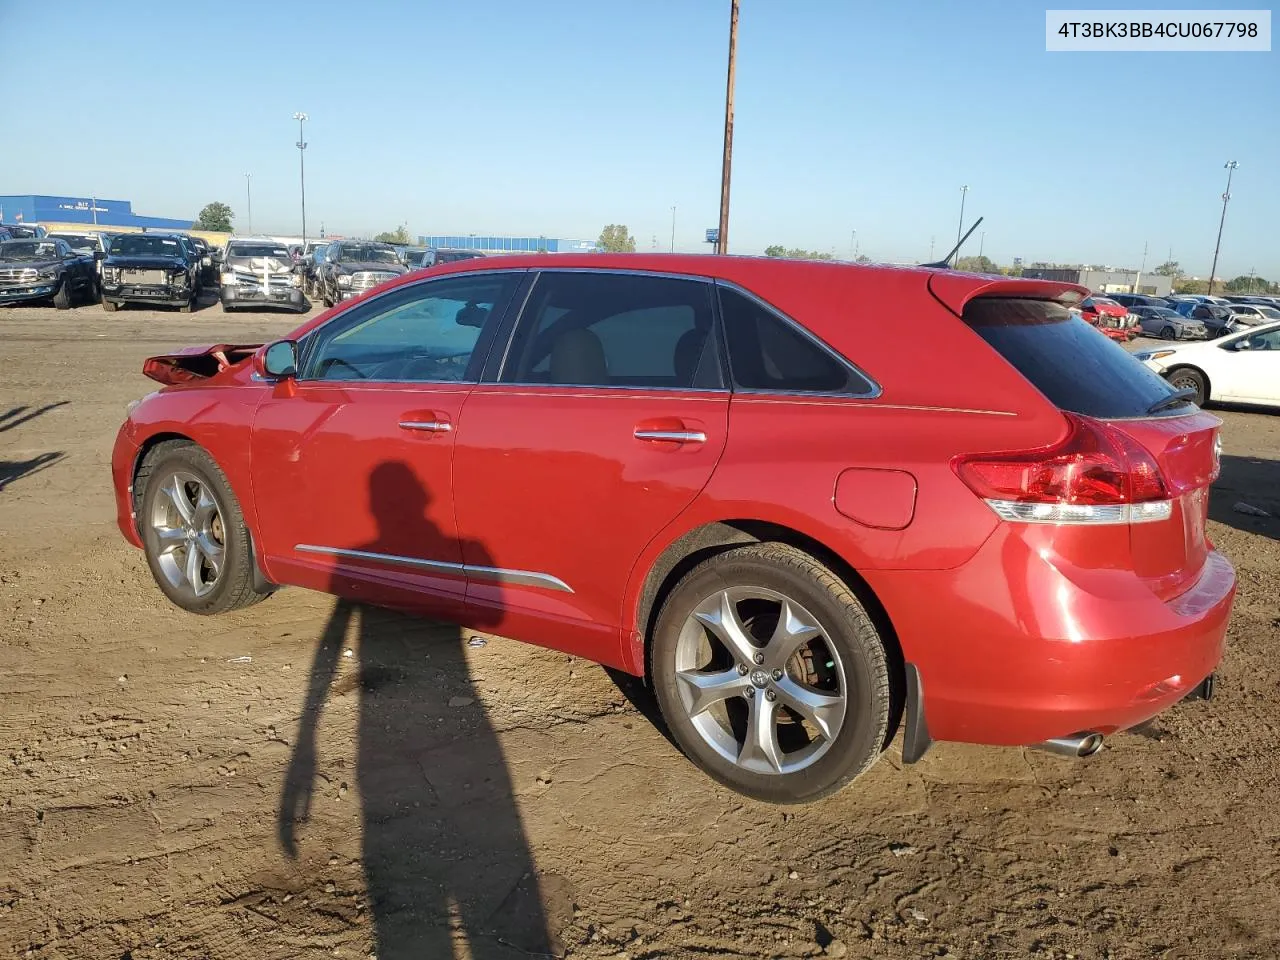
1077, 368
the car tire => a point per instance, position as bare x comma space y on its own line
95, 291
110, 306
63, 296
187, 307
1189, 378
823, 689
220, 576
1168, 333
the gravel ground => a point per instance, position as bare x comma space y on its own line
457, 799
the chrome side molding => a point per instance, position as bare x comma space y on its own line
523, 578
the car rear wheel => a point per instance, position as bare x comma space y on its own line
1188, 378
770, 674
196, 541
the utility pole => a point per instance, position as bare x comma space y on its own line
1138, 282
982, 244
1230, 167
931, 241
673, 228
853, 243
302, 171
960, 228
722, 243
248, 199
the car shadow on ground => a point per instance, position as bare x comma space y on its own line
443, 848
1248, 485
11, 470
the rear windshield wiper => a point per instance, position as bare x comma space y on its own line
1175, 399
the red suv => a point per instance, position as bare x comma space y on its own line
728, 476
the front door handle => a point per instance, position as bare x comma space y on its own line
660, 435
427, 426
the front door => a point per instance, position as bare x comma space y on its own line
352, 462
608, 417
1256, 372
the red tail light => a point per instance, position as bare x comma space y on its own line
1097, 474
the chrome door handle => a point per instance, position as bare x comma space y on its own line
429, 426
678, 436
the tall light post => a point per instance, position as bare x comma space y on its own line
960, 229
673, 228
1230, 167
722, 238
302, 171
248, 200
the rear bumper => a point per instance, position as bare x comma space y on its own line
123, 456
1014, 649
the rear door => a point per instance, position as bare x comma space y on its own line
606, 418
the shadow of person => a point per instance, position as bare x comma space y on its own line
443, 850
1246, 495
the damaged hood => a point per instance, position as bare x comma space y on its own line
145, 262
257, 265
44, 263
197, 363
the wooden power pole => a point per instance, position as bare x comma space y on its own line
722, 245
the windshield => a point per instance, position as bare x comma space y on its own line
78, 242
368, 253
28, 250
135, 245
257, 250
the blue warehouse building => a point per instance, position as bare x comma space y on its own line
92, 211
509, 244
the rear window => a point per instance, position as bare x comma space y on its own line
1067, 360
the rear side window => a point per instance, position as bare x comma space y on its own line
1067, 360
767, 352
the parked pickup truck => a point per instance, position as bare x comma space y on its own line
46, 269
150, 268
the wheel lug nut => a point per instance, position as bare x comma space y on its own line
777, 674
749, 692
770, 695
759, 658
743, 670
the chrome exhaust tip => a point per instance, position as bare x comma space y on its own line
1076, 745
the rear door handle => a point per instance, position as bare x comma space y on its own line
670, 436
427, 426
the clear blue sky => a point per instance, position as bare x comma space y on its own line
556, 117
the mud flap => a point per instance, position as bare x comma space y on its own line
915, 735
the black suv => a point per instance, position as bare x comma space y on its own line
46, 269
150, 268
351, 267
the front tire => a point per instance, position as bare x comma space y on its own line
1188, 378
63, 297
1168, 333
110, 306
770, 674
193, 532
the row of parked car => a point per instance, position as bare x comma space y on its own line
1126, 316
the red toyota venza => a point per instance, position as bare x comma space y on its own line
731, 476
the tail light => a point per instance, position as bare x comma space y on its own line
1097, 474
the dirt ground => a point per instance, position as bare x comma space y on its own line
241, 787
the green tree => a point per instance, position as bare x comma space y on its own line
795, 253
1191, 286
977, 265
616, 238
215, 216
399, 235
1170, 268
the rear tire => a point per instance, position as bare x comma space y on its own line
1189, 378
186, 505
791, 706
110, 306
62, 299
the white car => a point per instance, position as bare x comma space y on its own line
1242, 367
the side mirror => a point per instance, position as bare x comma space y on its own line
279, 360
99, 254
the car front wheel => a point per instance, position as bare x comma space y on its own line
770, 674
1188, 378
196, 541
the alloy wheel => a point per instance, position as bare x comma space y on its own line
760, 681
186, 522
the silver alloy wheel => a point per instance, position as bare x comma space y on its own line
187, 523
761, 683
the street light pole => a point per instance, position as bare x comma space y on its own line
673, 228
1230, 167
722, 242
302, 171
248, 199
960, 229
